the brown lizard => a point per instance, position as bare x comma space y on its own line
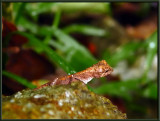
98, 70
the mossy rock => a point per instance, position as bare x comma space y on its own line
73, 101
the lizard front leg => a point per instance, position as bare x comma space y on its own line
85, 78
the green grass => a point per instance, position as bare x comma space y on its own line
19, 79
39, 46
85, 29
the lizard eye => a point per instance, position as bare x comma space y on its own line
106, 71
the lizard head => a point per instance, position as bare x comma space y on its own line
101, 69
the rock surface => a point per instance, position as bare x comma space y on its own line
73, 101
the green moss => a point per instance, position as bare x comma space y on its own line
72, 101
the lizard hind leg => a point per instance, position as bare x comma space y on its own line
50, 83
53, 82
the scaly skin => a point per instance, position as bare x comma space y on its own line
98, 70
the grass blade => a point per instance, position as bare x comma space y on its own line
151, 50
19, 12
57, 19
19, 79
85, 29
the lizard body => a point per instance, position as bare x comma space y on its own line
98, 70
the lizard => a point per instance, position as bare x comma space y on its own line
98, 70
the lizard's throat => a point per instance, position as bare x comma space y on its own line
87, 80
84, 79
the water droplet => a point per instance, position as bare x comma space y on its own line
108, 113
60, 102
29, 105
152, 45
80, 113
18, 95
42, 109
48, 105
67, 94
12, 100
39, 96
50, 112
72, 108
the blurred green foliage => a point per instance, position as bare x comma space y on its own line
121, 89
126, 51
150, 91
19, 79
40, 47
129, 51
151, 46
